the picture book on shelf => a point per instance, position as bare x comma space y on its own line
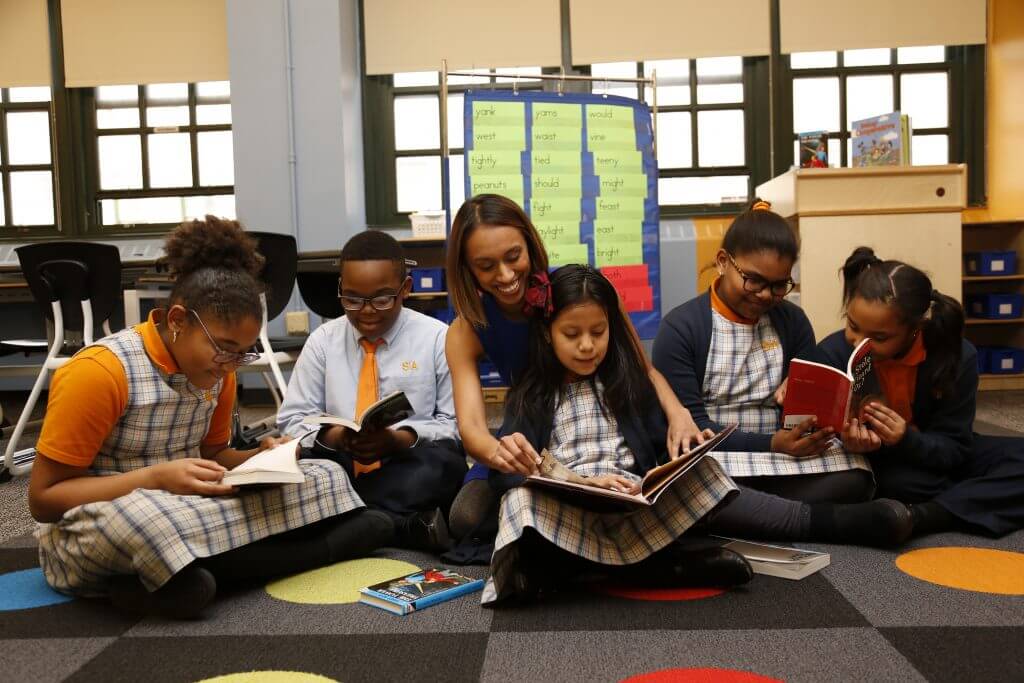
418, 590
881, 140
777, 560
389, 410
813, 149
831, 395
277, 465
554, 475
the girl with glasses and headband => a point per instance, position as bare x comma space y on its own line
127, 480
726, 354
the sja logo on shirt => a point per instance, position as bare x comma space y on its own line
409, 366
769, 345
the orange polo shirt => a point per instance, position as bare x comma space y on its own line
898, 378
89, 394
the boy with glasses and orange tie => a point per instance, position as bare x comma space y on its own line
411, 470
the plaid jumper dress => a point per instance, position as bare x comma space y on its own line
745, 367
589, 442
154, 533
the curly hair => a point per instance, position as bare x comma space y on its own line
216, 267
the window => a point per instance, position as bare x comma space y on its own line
26, 162
703, 128
408, 177
163, 154
830, 90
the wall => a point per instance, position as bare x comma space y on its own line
1004, 116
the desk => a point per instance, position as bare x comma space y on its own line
146, 287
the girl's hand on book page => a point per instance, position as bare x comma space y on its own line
682, 432
857, 438
615, 482
800, 441
191, 477
886, 422
780, 393
515, 454
380, 442
706, 434
268, 442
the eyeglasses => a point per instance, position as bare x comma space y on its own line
381, 302
756, 284
225, 357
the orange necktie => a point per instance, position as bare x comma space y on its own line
369, 392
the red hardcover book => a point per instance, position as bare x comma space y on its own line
831, 395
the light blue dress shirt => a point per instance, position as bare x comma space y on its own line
411, 359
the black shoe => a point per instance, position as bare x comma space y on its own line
881, 523
426, 531
185, 596
676, 566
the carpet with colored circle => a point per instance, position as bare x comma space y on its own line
945, 608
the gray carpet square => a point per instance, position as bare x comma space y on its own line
962, 654
870, 580
840, 654
45, 660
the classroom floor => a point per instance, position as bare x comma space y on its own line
945, 608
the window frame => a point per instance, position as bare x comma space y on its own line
91, 163
8, 230
964, 66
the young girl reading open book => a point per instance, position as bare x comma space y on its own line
586, 397
128, 483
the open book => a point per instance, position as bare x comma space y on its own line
554, 475
389, 410
830, 394
777, 560
277, 465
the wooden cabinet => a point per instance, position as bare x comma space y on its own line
910, 213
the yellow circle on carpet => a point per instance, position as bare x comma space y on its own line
269, 677
982, 570
338, 583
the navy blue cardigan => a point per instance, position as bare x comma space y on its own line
681, 355
645, 436
944, 436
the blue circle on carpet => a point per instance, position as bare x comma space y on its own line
27, 589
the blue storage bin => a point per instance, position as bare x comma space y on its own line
1003, 360
445, 315
489, 376
990, 263
982, 360
994, 306
427, 279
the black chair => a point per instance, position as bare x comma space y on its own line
75, 284
281, 257
319, 291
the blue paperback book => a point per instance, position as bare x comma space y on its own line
419, 590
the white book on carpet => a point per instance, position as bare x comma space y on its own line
777, 560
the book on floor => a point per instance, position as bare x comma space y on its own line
554, 475
277, 465
881, 140
777, 560
831, 395
389, 410
418, 590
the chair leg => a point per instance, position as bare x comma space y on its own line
272, 387
23, 419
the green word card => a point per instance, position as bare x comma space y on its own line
624, 229
564, 254
558, 139
564, 185
558, 232
618, 161
632, 185
604, 116
548, 161
510, 186
561, 209
617, 253
555, 115
620, 207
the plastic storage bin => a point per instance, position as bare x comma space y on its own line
427, 279
1002, 360
445, 315
994, 306
427, 224
489, 376
990, 263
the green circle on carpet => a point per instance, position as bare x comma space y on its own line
269, 677
338, 583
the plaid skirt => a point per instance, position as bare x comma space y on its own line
770, 463
616, 538
155, 534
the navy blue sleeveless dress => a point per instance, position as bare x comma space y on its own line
505, 344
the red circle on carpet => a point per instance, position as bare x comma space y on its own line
700, 676
660, 594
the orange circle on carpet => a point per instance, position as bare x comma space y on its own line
659, 594
708, 675
982, 570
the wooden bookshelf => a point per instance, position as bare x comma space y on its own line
992, 278
994, 321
